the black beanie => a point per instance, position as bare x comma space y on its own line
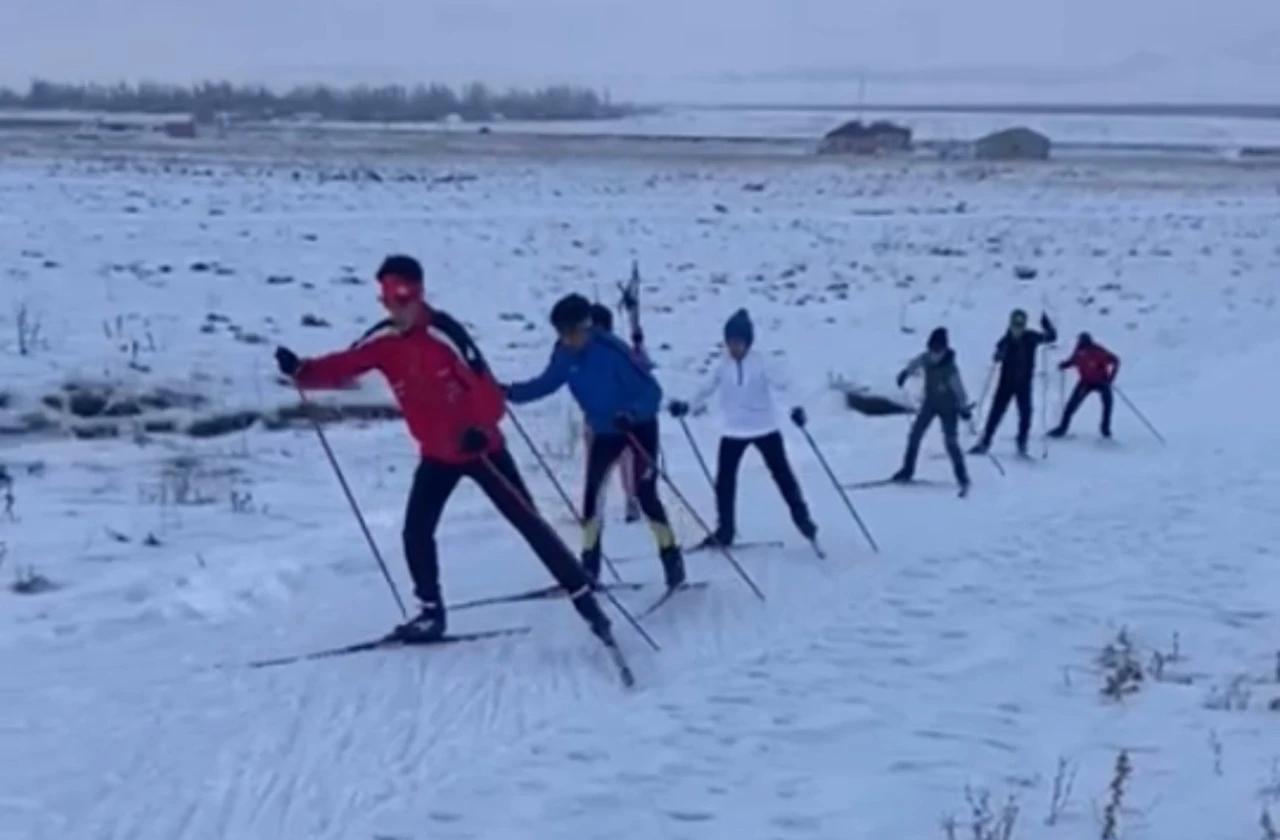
404, 267
602, 317
938, 339
570, 311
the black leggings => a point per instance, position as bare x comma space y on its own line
499, 478
1006, 393
605, 450
774, 452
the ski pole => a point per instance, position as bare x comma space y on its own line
697, 517
1139, 415
1044, 401
527, 503
697, 453
991, 456
982, 400
835, 482
351, 499
555, 482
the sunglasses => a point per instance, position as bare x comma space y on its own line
395, 292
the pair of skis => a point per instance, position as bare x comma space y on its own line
544, 593
390, 642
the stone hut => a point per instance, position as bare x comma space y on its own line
1013, 144
858, 138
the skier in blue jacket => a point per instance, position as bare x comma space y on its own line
620, 400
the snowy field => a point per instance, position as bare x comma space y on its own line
803, 124
1110, 605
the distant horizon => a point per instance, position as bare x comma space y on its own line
1153, 107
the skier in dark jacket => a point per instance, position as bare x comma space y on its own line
620, 400
945, 399
1097, 367
1016, 355
452, 406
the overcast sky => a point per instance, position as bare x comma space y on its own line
761, 50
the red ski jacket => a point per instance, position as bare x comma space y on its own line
442, 390
1096, 364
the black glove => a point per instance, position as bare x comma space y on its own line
902, 379
287, 361
678, 408
966, 413
624, 422
629, 302
1045, 323
474, 441
1064, 365
799, 417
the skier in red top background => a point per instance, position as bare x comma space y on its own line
1097, 367
452, 405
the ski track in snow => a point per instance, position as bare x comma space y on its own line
858, 701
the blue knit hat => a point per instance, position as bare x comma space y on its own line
740, 328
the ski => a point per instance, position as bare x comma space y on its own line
544, 593
388, 643
737, 546
666, 596
889, 482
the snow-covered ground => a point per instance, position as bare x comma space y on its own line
859, 701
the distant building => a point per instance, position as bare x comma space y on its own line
1013, 144
857, 138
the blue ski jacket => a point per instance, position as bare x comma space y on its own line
605, 378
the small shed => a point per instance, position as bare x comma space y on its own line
1013, 144
856, 137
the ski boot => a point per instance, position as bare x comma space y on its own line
715, 540
673, 566
902, 476
1057, 432
1022, 449
588, 607
980, 448
428, 626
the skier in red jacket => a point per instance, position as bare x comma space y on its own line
452, 406
1097, 367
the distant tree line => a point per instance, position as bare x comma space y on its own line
360, 103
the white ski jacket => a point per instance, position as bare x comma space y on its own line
745, 390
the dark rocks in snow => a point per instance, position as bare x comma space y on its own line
1024, 272
309, 320
31, 582
222, 424
279, 280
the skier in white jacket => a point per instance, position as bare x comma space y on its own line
745, 384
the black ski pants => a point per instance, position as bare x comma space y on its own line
774, 452
604, 451
1078, 395
1007, 392
949, 419
499, 478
